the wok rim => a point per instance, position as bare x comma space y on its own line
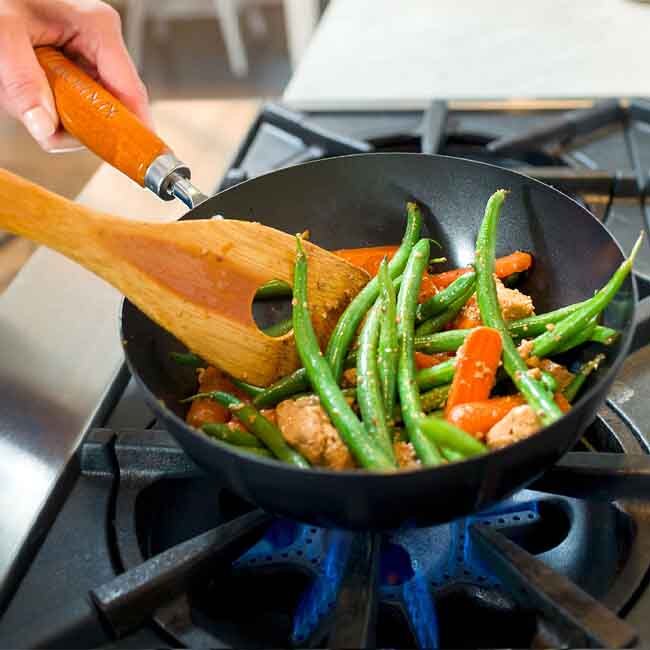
357, 474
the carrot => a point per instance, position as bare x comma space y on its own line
516, 262
477, 361
469, 316
203, 411
368, 258
423, 360
429, 287
478, 418
562, 402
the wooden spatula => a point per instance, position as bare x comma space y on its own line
195, 278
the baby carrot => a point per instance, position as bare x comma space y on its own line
476, 367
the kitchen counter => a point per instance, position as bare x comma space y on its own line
59, 330
367, 53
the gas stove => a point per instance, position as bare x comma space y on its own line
140, 548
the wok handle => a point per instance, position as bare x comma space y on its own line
109, 129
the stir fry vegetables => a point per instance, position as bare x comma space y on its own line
422, 368
407, 387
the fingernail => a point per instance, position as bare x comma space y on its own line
39, 123
61, 142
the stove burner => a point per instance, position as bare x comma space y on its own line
288, 587
474, 146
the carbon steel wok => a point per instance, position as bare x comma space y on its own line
358, 201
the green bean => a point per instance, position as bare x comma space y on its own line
435, 398
430, 401
257, 451
437, 375
533, 391
442, 300
233, 436
438, 322
257, 424
604, 335
321, 376
576, 339
549, 381
534, 325
188, 359
448, 436
585, 370
388, 351
279, 329
273, 289
249, 389
349, 322
345, 329
592, 332
451, 340
284, 388
448, 341
407, 388
550, 341
451, 455
369, 395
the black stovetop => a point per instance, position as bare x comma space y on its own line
576, 575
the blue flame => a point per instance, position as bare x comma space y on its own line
320, 597
422, 614
414, 563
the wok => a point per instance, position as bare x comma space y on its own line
359, 201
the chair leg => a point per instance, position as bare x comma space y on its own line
301, 18
256, 22
227, 12
136, 16
161, 31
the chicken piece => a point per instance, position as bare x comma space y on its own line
557, 370
525, 348
513, 303
469, 316
405, 455
203, 411
520, 423
349, 378
270, 415
306, 427
560, 372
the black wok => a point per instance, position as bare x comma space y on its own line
358, 201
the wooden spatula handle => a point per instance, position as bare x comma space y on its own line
98, 119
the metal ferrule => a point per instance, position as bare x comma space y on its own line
169, 178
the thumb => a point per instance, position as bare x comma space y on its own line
24, 91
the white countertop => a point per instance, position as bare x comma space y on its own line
403, 53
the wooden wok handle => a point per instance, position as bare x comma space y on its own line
99, 120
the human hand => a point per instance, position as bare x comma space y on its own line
89, 32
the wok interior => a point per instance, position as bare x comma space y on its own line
360, 201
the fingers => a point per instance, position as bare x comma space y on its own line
102, 45
24, 91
